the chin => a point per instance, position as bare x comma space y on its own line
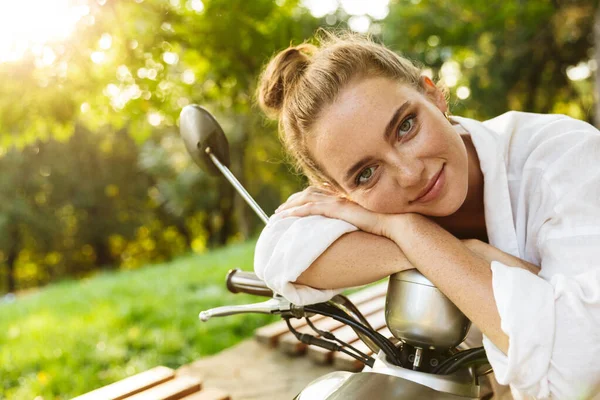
459, 201
448, 204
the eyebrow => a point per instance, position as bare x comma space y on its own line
389, 129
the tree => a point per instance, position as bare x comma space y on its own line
511, 54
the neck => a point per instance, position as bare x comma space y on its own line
469, 220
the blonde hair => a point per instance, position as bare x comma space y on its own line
302, 80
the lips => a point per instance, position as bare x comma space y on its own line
430, 184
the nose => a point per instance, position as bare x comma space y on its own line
408, 172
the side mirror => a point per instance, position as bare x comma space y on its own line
205, 141
200, 130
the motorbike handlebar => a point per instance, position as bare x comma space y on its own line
246, 282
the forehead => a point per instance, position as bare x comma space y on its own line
353, 126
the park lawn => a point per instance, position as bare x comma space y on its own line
72, 337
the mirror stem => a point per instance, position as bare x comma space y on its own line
238, 186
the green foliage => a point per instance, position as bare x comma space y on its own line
100, 173
73, 337
512, 55
95, 175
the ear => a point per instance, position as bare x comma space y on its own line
435, 94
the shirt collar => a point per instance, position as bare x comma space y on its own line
492, 150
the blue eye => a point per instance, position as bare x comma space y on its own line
365, 175
406, 126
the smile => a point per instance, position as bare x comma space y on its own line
434, 188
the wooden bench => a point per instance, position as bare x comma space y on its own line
159, 383
370, 302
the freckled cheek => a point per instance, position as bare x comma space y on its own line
432, 143
383, 202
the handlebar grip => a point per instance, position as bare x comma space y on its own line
247, 282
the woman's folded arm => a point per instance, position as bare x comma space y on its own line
310, 259
356, 258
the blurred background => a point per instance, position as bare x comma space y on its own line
96, 184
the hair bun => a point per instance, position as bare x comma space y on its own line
280, 75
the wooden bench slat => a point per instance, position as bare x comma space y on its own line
174, 389
131, 385
208, 394
271, 333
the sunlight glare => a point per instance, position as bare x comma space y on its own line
320, 8
376, 9
27, 23
155, 118
359, 23
98, 57
463, 92
450, 73
579, 72
105, 41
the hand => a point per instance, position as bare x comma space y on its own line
313, 201
298, 198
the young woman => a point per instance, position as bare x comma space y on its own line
502, 216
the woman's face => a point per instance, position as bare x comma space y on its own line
384, 143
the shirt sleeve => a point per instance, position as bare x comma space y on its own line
288, 246
554, 333
553, 319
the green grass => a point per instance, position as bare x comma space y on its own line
75, 336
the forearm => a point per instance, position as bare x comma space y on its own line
355, 259
490, 253
458, 272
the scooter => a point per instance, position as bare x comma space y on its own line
424, 362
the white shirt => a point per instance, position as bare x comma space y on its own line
542, 204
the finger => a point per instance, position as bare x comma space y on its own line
293, 196
305, 210
305, 197
352, 213
332, 208
299, 201
289, 199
